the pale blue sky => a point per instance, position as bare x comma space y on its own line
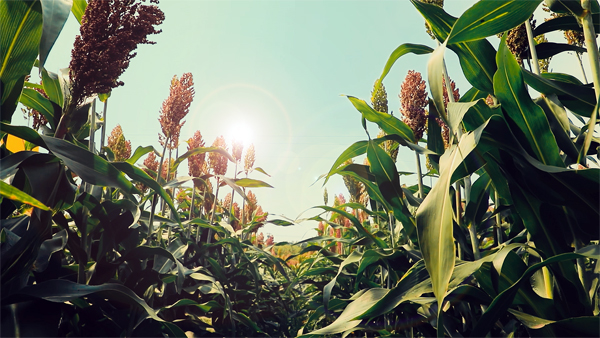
276, 68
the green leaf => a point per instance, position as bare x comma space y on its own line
502, 302
352, 151
34, 100
52, 87
141, 176
354, 257
435, 69
564, 23
489, 17
14, 194
390, 124
261, 170
533, 126
139, 152
476, 57
346, 320
547, 50
434, 217
400, 51
386, 174
78, 9
251, 183
579, 99
60, 291
24, 133
21, 27
55, 14
198, 151
90, 167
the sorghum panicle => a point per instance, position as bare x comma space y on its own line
218, 162
379, 97
236, 150
413, 100
196, 163
175, 108
250, 207
110, 31
120, 147
249, 159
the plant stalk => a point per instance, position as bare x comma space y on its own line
155, 199
419, 173
103, 134
594, 58
92, 127
532, 50
212, 213
498, 218
585, 80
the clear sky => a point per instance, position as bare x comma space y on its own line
274, 70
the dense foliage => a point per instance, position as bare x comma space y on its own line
505, 243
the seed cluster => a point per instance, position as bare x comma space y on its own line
120, 147
175, 108
110, 31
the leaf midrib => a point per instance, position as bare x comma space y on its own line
14, 40
475, 22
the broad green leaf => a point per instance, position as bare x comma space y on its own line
530, 321
386, 176
580, 100
518, 106
489, 17
252, 183
354, 257
139, 152
78, 9
390, 124
231, 182
60, 291
281, 222
146, 251
141, 176
346, 320
547, 50
502, 302
435, 71
55, 14
456, 112
52, 87
473, 94
198, 151
476, 57
34, 100
399, 52
352, 151
434, 217
559, 124
24, 133
568, 22
49, 247
479, 202
90, 167
14, 194
260, 170
380, 243
21, 27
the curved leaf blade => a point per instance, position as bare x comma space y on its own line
55, 14
390, 124
399, 52
510, 90
14, 194
489, 17
21, 27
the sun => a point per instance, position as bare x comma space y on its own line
241, 132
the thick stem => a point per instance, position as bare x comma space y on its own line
594, 57
103, 135
420, 176
532, 50
155, 199
578, 56
189, 229
212, 214
92, 127
498, 218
